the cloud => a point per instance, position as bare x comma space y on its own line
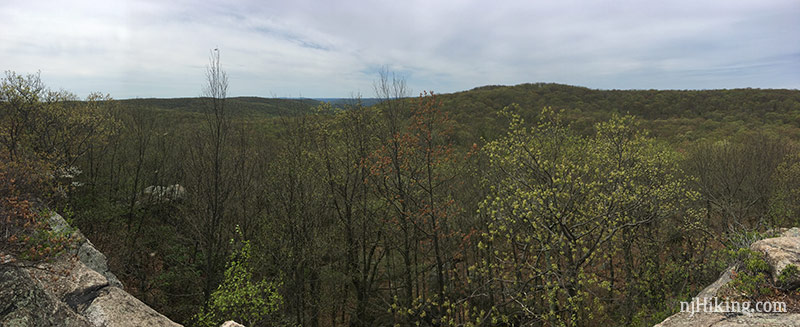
332, 48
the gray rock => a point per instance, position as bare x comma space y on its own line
791, 232
97, 261
67, 277
231, 323
59, 225
85, 250
780, 252
73, 289
713, 289
24, 302
684, 319
115, 307
157, 193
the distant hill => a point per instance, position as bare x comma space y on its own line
239, 105
248, 105
337, 102
677, 114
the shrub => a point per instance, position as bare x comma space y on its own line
239, 298
788, 274
752, 278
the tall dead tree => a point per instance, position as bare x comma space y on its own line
209, 181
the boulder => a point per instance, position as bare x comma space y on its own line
684, 319
72, 289
84, 249
24, 302
97, 261
791, 232
68, 279
713, 289
157, 193
115, 307
780, 252
231, 323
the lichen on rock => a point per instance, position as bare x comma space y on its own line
74, 288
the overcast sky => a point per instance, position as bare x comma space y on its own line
294, 48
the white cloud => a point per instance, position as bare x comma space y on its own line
332, 48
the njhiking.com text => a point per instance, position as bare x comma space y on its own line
715, 305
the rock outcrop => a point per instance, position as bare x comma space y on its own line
73, 289
780, 252
159, 194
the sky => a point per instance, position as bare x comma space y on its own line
316, 49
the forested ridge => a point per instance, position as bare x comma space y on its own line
239, 105
536, 204
678, 114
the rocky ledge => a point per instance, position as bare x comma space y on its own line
73, 289
779, 252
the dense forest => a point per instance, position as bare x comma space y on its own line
536, 204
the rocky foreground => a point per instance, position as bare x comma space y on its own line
779, 253
73, 289
77, 289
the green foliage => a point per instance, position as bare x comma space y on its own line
752, 278
253, 106
788, 274
741, 241
736, 179
239, 297
42, 134
671, 114
37, 123
784, 204
563, 202
43, 242
585, 219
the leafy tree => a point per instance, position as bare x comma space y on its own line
240, 297
50, 124
414, 172
560, 205
42, 135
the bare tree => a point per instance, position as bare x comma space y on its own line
209, 182
345, 143
392, 91
735, 180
